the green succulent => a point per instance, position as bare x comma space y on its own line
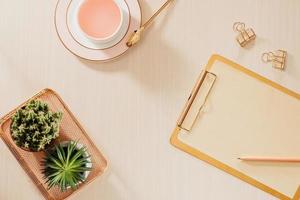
66, 166
34, 126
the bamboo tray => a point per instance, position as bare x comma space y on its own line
70, 129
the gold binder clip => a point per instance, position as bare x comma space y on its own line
245, 36
278, 58
197, 100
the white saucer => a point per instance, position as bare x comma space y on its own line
95, 54
82, 39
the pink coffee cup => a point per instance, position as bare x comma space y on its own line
100, 20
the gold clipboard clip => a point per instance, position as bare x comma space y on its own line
196, 100
278, 58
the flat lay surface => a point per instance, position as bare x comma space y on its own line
129, 106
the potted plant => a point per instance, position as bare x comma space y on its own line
34, 126
66, 165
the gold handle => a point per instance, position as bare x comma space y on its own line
137, 34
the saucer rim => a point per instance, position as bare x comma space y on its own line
87, 59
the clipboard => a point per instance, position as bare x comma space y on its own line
233, 112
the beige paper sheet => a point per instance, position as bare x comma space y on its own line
244, 116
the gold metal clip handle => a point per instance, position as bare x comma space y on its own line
197, 100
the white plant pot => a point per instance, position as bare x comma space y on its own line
78, 146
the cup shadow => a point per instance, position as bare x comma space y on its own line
153, 63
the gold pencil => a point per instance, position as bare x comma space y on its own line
270, 159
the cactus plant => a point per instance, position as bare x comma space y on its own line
34, 126
66, 165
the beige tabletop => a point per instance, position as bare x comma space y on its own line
129, 106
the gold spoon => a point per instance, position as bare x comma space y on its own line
137, 34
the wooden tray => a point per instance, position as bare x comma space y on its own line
70, 129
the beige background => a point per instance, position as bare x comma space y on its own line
129, 106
